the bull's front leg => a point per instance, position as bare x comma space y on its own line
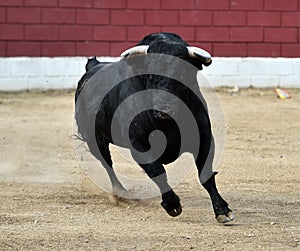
222, 211
204, 162
157, 173
170, 200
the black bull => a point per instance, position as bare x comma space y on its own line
164, 98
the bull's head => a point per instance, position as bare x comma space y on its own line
193, 52
167, 44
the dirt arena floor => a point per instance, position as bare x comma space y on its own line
48, 203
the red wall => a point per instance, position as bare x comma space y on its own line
107, 27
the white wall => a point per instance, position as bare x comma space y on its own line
256, 72
64, 72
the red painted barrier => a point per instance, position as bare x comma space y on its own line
263, 28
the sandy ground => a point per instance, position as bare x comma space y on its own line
48, 203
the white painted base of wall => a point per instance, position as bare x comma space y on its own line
26, 73
256, 72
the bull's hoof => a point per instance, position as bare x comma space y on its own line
120, 191
223, 218
174, 212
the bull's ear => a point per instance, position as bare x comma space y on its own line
202, 55
91, 63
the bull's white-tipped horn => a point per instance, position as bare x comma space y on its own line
196, 52
140, 49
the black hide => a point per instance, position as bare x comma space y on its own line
163, 115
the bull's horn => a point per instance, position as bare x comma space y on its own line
140, 49
203, 55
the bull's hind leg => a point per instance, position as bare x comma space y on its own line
207, 177
170, 201
117, 187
